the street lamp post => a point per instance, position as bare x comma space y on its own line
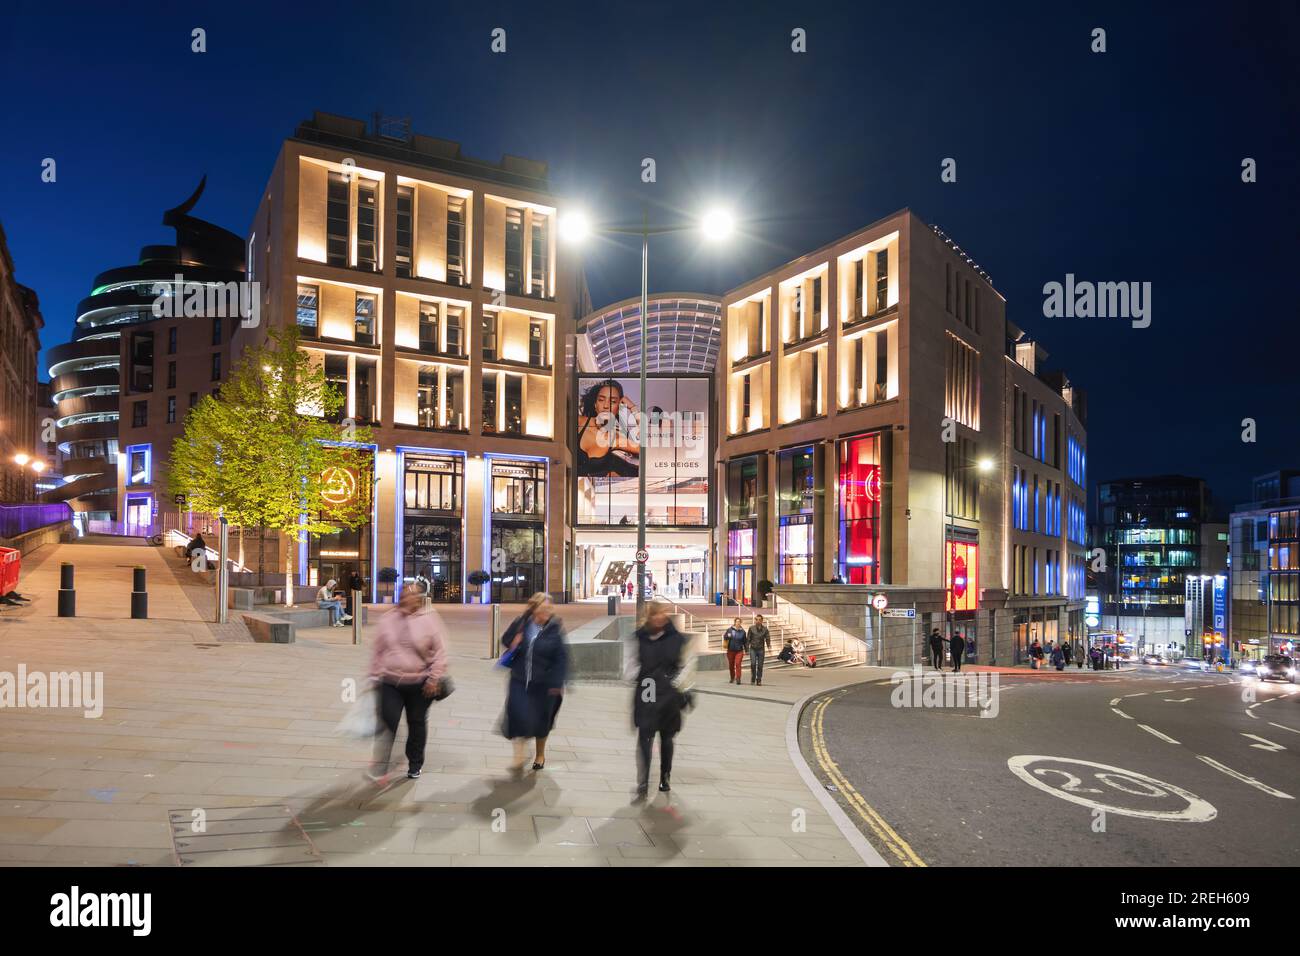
716, 225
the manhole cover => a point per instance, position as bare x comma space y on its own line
241, 836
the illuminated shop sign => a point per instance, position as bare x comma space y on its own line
339, 485
962, 566
441, 465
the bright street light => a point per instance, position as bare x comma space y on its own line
21, 459
985, 465
38, 466
717, 224
574, 227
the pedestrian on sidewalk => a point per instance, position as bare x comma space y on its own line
353, 582
936, 649
409, 660
757, 641
663, 669
957, 647
539, 666
1036, 654
1066, 650
734, 644
326, 601
1058, 658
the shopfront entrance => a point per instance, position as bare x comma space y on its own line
518, 535
605, 564
432, 530
740, 563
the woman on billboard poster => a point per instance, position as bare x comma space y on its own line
606, 446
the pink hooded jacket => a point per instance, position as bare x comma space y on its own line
409, 648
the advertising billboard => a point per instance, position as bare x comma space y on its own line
962, 566
611, 416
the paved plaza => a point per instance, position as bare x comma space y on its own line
213, 750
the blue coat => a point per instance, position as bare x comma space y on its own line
735, 638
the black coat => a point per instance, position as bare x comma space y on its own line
550, 654
656, 703
936, 642
531, 708
958, 646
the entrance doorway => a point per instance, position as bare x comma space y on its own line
139, 514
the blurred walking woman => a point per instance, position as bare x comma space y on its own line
538, 658
409, 660
663, 669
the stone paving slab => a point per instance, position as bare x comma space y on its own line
240, 729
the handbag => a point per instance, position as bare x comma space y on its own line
362, 718
445, 688
506, 658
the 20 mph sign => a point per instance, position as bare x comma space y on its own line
642, 556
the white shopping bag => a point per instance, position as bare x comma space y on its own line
362, 718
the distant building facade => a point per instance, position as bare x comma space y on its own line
144, 351
20, 346
1161, 536
1265, 568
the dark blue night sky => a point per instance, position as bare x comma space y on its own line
1122, 166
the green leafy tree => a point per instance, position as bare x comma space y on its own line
272, 450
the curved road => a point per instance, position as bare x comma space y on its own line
1143, 766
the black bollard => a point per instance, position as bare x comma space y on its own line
67, 594
139, 596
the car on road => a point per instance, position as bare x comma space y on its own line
1249, 666
1276, 667
1195, 664
1153, 659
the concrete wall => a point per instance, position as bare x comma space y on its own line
31, 541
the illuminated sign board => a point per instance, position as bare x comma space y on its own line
962, 567
340, 485
674, 415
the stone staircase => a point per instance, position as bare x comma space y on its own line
826, 652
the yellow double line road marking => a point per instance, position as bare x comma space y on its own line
883, 831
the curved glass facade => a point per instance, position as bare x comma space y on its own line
682, 335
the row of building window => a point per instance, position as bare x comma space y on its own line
1078, 521
1032, 576
352, 235
455, 236
960, 300
1283, 525
861, 508
962, 383
140, 348
1037, 509
1077, 462
140, 412
441, 327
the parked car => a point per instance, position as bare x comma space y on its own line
1276, 667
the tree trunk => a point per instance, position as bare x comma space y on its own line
241, 546
288, 571
261, 554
